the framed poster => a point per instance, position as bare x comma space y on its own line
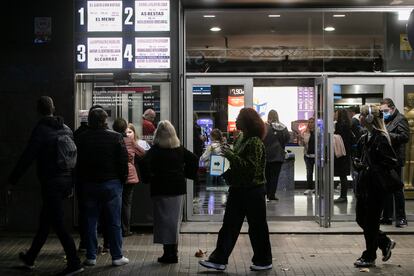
152, 52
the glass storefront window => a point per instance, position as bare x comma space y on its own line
215, 107
409, 158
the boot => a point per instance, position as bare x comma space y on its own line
170, 254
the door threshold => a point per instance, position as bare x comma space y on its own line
292, 227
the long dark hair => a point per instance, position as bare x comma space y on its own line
343, 122
251, 123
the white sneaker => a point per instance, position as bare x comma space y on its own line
89, 262
119, 262
261, 267
212, 265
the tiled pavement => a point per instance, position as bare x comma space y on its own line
292, 255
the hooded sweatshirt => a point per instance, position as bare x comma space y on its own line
277, 137
42, 148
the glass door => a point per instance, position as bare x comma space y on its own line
211, 104
323, 164
349, 94
404, 100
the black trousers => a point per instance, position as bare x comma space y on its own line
127, 194
368, 214
52, 215
310, 165
241, 203
272, 172
399, 200
81, 216
344, 186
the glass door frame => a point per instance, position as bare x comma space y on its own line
356, 79
189, 108
323, 152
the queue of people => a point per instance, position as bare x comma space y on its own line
102, 164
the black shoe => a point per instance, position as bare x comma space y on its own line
127, 234
385, 221
69, 271
401, 223
341, 200
386, 252
25, 261
361, 262
173, 259
273, 198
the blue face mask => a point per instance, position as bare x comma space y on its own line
386, 115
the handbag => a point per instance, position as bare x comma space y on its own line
339, 147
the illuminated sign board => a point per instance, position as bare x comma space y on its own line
122, 34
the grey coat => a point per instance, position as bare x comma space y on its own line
277, 137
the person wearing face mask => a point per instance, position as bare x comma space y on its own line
374, 160
398, 129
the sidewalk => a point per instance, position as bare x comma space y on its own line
301, 254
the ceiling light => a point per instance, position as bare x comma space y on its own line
329, 29
215, 29
339, 15
274, 15
396, 2
209, 16
404, 15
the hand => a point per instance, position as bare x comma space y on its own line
9, 188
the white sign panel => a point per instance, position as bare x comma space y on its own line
217, 164
152, 15
104, 16
104, 53
152, 52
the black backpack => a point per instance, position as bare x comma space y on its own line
66, 150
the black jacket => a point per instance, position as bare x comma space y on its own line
102, 156
42, 148
165, 169
399, 132
277, 137
375, 158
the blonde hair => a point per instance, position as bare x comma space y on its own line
378, 122
165, 135
132, 127
272, 117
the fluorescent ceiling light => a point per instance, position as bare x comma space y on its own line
339, 15
404, 15
329, 29
274, 15
209, 16
215, 29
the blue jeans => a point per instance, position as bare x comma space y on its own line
103, 197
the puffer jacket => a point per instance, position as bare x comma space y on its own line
133, 150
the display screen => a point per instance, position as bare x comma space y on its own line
127, 34
292, 103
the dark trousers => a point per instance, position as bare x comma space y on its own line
272, 172
310, 165
241, 203
52, 215
127, 194
81, 216
344, 186
399, 200
106, 198
368, 213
